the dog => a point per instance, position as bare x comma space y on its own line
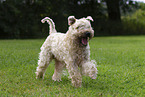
70, 51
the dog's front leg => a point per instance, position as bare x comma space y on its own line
74, 74
89, 68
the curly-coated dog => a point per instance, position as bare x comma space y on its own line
70, 50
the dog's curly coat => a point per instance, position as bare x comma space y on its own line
71, 49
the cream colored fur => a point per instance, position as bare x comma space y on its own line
70, 50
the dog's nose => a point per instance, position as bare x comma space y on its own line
88, 34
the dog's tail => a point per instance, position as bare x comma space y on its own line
51, 24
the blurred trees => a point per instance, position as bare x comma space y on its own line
113, 10
21, 18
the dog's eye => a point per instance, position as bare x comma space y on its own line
78, 27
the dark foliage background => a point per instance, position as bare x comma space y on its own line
22, 18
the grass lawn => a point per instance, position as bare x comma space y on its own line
120, 63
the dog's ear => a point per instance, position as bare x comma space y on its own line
71, 20
89, 18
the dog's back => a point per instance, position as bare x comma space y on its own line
58, 44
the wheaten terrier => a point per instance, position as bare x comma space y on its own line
70, 50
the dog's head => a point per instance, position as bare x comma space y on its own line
81, 29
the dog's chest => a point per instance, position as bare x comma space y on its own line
80, 55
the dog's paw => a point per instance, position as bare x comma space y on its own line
39, 75
93, 73
56, 79
76, 84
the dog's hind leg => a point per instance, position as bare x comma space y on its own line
45, 58
59, 66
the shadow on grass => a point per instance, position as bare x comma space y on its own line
49, 82
93, 84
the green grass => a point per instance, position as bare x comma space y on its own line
121, 70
